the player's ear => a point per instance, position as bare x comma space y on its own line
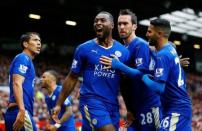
160, 33
25, 44
112, 25
134, 27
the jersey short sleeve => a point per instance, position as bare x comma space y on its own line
162, 68
21, 65
77, 60
142, 57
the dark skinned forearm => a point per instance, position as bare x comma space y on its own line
67, 87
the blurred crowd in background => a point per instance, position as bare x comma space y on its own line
41, 116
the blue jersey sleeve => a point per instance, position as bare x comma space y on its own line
142, 57
162, 70
21, 65
155, 86
116, 64
78, 60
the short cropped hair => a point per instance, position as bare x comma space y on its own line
111, 18
129, 12
26, 37
54, 74
163, 25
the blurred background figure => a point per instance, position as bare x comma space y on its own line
66, 117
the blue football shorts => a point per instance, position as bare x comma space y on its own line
10, 117
96, 114
148, 119
175, 122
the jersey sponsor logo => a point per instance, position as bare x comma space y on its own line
118, 53
74, 63
159, 72
100, 71
23, 68
138, 61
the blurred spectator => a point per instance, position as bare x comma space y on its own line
4, 70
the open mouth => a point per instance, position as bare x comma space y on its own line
122, 32
38, 49
99, 30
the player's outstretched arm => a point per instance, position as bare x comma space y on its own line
64, 118
158, 87
67, 114
116, 64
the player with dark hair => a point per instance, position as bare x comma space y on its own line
141, 101
66, 117
21, 82
169, 79
100, 88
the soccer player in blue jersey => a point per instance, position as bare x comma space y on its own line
66, 117
100, 88
21, 82
143, 102
168, 79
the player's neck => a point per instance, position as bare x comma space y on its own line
105, 42
51, 88
50, 92
161, 43
129, 39
30, 54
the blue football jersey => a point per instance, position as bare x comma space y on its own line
168, 69
22, 65
51, 102
98, 82
141, 58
